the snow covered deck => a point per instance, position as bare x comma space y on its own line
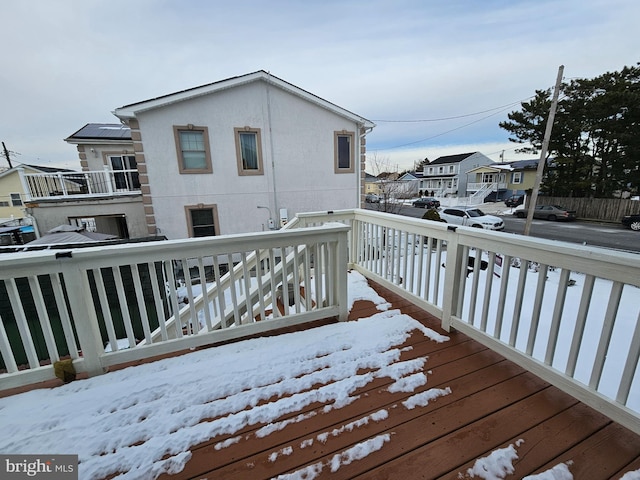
387, 394
476, 411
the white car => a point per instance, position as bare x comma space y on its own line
471, 217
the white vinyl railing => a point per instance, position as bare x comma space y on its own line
144, 300
107, 182
568, 313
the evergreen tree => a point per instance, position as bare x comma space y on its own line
595, 141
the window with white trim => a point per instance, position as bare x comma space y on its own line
516, 177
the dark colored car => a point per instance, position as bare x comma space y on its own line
548, 212
632, 221
496, 196
426, 202
514, 201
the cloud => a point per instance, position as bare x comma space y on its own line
67, 63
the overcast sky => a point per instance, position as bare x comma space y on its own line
66, 63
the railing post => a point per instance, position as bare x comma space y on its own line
25, 184
63, 186
84, 316
341, 274
107, 179
452, 279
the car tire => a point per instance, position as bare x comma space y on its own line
520, 214
635, 226
551, 218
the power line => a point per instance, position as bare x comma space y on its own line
509, 105
449, 131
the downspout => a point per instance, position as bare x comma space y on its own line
361, 173
273, 163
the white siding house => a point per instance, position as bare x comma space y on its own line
447, 176
243, 154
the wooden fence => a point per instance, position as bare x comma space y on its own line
605, 209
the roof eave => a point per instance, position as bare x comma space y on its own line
128, 112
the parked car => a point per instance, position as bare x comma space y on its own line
548, 212
471, 217
426, 202
514, 201
632, 221
372, 198
496, 196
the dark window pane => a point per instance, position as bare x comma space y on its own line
344, 151
202, 222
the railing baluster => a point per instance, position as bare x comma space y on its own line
517, 307
155, 287
140, 300
104, 307
124, 310
205, 294
6, 350
488, 286
581, 320
557, 316
22, 323
192, 325
537, 308
63, 312
504, 281
45, 321
630, 366
605, 336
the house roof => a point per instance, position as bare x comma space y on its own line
131, 110
101, 131
451, 158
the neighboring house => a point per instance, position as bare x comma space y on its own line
13, 191
239, 155
447, 176
505, 178
104, 197
371, 184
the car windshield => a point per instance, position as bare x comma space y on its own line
475, 212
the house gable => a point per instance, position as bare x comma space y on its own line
310, 153
130, 111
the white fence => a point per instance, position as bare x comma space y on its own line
567, 313
38, 186
150, 299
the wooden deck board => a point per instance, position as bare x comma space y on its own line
493, 403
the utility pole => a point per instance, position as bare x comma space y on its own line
6, 154
543, 153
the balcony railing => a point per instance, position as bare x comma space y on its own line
101, 183
566, 313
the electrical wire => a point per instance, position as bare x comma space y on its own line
509, 105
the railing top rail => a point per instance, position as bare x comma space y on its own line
109, 255
604, 263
